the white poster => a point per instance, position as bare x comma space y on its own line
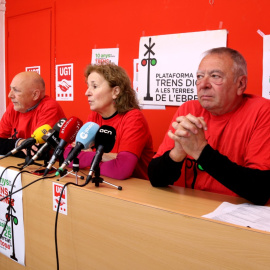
105, 56
35, 69
136, 75
266, 67
64, 82
12, 242
168, 65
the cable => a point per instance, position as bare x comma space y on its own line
56, 217
12, 193
8, 168
45, 177
58, 206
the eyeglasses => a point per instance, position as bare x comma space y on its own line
215, 78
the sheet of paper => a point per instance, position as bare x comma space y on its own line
110, 55
247, 215
266, 66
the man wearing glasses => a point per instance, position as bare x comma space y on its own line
220, 142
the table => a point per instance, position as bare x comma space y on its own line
139, 227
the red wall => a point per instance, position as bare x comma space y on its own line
79, 26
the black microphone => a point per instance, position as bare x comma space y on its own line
36, 137
67, 135
104, 143
75, 166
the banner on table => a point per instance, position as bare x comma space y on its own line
12, 241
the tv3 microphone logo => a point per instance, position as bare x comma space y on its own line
148, 61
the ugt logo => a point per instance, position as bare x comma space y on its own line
150, 62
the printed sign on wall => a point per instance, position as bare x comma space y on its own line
105, 56
266, 66
64, 82
136, 63
36, 69
12, 241
168, 65
135, 75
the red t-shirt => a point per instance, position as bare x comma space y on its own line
242, 135
132, 135
48, 112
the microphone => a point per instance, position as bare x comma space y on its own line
67, 135
75, 166
36, 137
84, 138
52, 140
104, 143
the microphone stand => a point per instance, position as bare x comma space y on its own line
27, 158
75, 169
97, 179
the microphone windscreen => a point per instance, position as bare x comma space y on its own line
40, 132
59, 124
52, 137
87, 134
70, 129
105, 137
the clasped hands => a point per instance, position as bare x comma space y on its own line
189, 138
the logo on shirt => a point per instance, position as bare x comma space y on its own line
14, 136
